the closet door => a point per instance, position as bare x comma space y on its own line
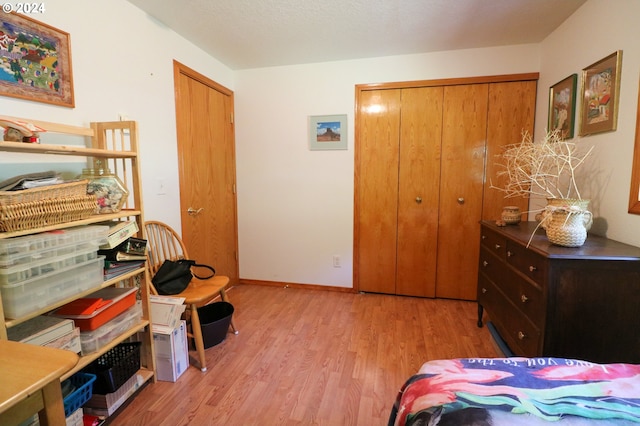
418, 191
512, 108
464, 134
377, 190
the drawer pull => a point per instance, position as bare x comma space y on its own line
484, 237
524, 298
485, 263
509, 253
484, 290
498, 246
532, 269
521, 335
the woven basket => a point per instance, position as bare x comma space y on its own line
61, 190
47, 205
567, 222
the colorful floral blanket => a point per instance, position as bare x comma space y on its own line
519, 391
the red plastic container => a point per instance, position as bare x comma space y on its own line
114, 302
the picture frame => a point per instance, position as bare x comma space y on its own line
327, 132
634, 188
562, 106
37, 68
599, 95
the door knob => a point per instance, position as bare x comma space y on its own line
460, 200
193, 212
418, 200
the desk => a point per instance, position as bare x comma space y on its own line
30, 382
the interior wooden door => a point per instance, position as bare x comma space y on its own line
419, 190
464, 134
206, 156
377, 183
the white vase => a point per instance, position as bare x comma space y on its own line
567, 221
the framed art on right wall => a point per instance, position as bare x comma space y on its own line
600, 89
562, 106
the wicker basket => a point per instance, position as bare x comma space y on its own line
46, 205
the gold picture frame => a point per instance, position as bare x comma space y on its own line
599, 89
36, 63
562, 106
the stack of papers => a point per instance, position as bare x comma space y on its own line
31, 180
166, 312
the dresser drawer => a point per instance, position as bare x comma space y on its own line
493, 241
490, 265
523, 294
527, 262
522, 337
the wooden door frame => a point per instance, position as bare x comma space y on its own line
359, 88
181, 69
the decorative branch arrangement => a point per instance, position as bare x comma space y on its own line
546, 168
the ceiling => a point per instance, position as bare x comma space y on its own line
245, 34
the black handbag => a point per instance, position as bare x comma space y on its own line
174, 276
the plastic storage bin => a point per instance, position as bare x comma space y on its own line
215, 319
32, 245
37, 293
51, 262
76, 391
91, 341
121, 300
115, 367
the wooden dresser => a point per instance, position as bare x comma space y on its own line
547, 300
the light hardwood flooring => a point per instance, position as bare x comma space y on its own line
312, 357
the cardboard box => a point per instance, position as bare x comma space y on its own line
106, 405
171, 352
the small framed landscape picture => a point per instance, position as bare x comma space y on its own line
327, 132
600, 89
562, 106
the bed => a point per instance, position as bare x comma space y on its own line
519, 391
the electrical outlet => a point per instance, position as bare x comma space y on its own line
336, 261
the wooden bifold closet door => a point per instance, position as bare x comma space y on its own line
421, 157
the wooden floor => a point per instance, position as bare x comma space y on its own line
312, 357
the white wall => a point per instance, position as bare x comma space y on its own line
574, 46
295, 206
122, 64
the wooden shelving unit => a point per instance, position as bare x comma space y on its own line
116, 144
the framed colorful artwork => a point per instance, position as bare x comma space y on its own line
600, 89
634, 193
327, 132
562, 106
35, 61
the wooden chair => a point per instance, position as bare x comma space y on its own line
164, 243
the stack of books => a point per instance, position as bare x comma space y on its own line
123, 252
114, 268
45, 330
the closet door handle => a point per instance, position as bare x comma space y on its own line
193, 212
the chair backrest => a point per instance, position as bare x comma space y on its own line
163, 243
